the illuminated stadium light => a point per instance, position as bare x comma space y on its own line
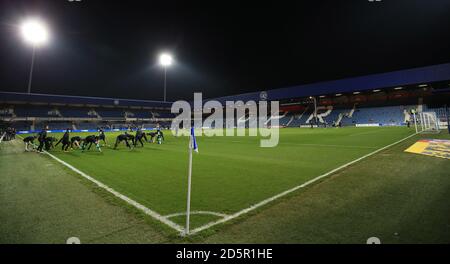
34, 32
165, 59
376, 90
338, 94
356, 92
322, 96
398, 88
423, 85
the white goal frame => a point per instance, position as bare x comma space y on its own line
426, 122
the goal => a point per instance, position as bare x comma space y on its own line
426, 122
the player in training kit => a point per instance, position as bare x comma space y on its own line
65, 141
49, 143
29, 141
152, 136
75, 141
102, 137
122, 137
41, 138
159, 136
144, 136
89, 140
130, 137
139, 136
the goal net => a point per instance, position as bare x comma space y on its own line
427, 122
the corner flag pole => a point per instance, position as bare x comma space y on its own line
188, 206
192, 145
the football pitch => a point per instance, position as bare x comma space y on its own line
231, 175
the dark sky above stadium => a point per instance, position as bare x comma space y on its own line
110, 48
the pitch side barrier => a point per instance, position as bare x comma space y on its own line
78, 130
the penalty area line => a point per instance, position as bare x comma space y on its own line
128, 200
268, 200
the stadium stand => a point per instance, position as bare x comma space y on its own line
379, 99
7, 111
111, 113
390, 115
54, 125
286, 120
162, 115
87, 125
75, 112
142, 114
22, 125
36, 111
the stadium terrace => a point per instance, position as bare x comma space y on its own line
349, 102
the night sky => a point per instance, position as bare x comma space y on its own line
110, 48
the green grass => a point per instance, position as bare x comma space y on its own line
43, 202
399, 197
396, 196
230, 173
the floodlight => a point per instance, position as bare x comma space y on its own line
165, 59
34, 32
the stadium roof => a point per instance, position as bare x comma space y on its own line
74, 100
423, 75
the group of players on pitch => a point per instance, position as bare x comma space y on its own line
47, 142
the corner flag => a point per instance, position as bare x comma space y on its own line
192, 146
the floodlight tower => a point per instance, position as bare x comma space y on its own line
165, 60
35, 33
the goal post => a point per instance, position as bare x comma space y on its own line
426, 122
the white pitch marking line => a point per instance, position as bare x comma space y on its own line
130, 201
197, 212
1, 138
268, 200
